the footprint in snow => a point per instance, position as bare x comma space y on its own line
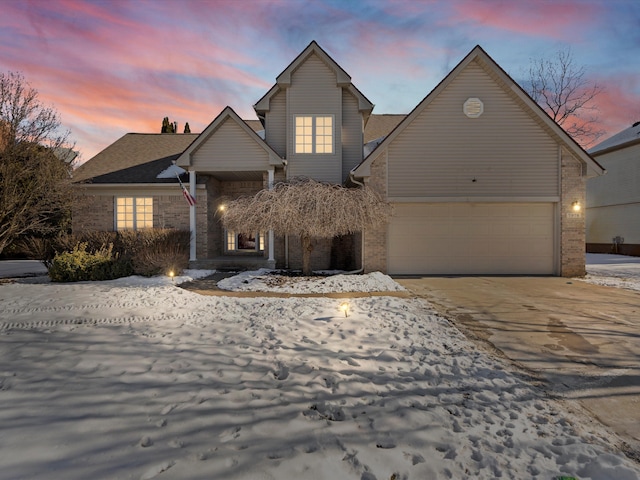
157, 470
230, 434
282, 373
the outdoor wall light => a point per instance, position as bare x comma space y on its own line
344, 306
575, 206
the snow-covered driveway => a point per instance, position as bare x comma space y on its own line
139, 379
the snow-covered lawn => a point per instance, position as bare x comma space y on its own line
139, 378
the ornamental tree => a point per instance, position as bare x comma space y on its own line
308, 209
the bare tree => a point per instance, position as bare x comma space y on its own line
561, 89
35, 184
308, 209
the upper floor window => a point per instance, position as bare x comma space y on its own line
134, 213
314, 134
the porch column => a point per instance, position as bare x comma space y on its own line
192, 216
272, 258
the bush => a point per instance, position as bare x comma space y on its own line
103, 255
81, 265
157, 252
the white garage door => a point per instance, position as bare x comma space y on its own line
471, 239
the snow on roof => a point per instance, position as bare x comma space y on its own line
171, 172
625, 136
371, 146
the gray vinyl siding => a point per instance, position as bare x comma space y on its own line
613, 200
605, 223
621, 184
276, 124
313, 91
351, 134
230, 148
442, 151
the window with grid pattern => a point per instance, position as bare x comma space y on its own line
314, 134
245, 242
134, 213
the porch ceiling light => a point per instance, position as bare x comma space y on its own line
575, 206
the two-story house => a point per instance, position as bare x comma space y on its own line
480, 179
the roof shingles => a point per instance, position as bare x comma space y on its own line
135, 158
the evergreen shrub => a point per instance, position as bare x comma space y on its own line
81, 264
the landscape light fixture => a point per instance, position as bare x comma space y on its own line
575, 206
222, 207
344, 306
171, 274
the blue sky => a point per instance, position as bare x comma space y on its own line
118, 66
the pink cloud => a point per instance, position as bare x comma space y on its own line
555, 20
619, 104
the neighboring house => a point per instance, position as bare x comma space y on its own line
481, 180
613, 200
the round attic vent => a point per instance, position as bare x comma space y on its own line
473, 107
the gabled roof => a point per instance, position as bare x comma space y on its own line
284, 79
184, 160
591, 166
625, 138
134, 158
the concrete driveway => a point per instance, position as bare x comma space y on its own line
584, 339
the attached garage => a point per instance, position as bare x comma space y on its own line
482, 182
471, 238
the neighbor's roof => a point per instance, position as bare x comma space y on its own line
380, 125
626, 137
135, 158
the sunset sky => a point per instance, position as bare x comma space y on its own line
115, 66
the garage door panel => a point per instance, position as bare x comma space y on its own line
462, 238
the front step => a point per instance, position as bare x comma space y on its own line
232, 263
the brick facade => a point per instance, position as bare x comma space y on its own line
220, 192
170, 210
572, 224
